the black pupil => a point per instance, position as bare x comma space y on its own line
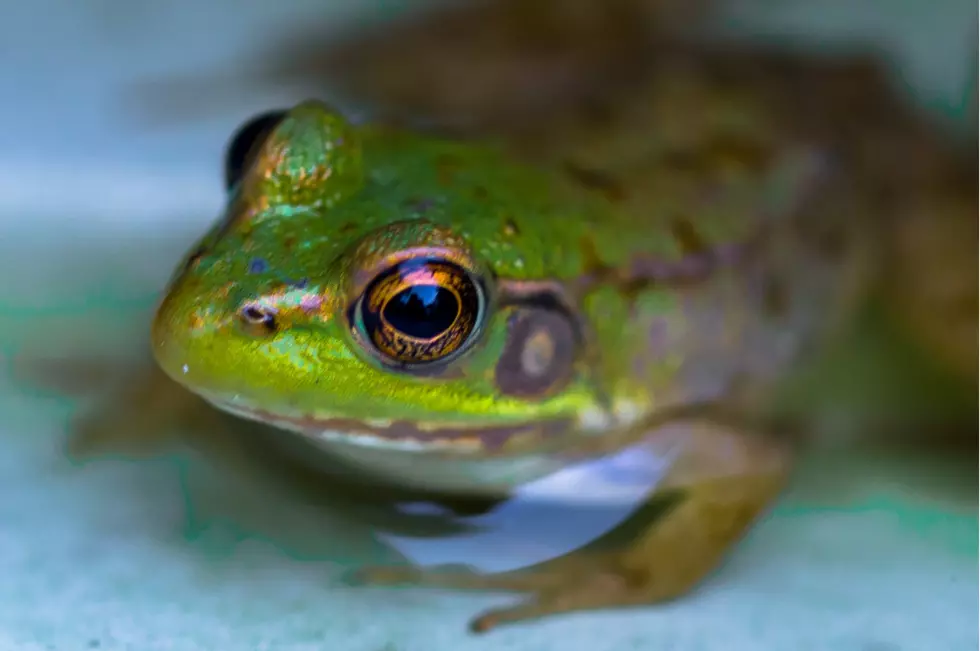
422, 311
237, 158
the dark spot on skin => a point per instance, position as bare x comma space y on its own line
539, 355
598, 272
480, 192
288, 243
257, 266
510, 228
195, 257
349, 227
775, 300
591, 261
687, 237
595, 180
633, 287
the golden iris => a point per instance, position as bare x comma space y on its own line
420, 311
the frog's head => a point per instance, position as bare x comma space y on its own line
372, 288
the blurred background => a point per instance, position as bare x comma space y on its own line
117, 117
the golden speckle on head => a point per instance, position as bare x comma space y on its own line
196, 321
225, 290
510, 228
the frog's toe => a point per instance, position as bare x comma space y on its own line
591, 592
554, 593
552, 589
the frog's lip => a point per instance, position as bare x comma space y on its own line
406, 435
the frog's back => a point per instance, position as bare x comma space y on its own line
564, 221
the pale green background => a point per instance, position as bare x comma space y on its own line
168, 554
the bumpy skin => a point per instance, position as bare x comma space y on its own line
616, 312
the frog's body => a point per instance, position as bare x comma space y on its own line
558, 316
649, 280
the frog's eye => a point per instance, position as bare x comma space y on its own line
244, 143
420, 311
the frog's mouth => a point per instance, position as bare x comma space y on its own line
406, 435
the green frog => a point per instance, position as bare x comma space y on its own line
462, 314
445, 315
458, 314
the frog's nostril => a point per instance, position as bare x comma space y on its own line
258, 320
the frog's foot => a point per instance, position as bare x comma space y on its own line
588, 582
668, 558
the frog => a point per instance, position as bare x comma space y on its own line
645, 270
443, 314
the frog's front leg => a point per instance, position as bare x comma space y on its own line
725, 480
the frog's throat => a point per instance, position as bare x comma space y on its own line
408, 436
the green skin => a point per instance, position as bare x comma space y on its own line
664, 312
